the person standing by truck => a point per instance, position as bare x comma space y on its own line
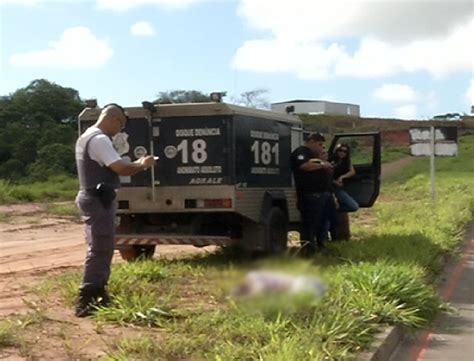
99, 166
343, 169
312, 190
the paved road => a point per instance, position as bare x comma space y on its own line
452, 338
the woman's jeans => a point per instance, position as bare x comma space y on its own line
346, 202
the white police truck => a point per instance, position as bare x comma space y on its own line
223, 176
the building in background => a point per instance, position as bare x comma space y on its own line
316, 107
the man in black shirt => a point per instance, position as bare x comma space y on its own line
312, 190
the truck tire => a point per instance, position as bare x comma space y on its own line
137, 252
275, 230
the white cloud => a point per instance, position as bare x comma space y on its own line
395, 93
124, 5
406, 112
308, 61
470, 92
392, 37
142, 28
386, 20
437, 56
78, 47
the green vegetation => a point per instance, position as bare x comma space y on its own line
38, 129
67, 209
12, 329
7, 334
143, 348
392, 153
56, 188
380, 277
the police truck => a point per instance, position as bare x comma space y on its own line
222, 177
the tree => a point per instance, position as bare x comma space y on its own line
253, 99
40, 101
12, 169
34, 117
182, 96
53, 159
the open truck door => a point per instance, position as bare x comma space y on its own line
365, 151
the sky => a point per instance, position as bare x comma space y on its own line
404, 59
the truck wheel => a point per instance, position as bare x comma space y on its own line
276, 230
135, 252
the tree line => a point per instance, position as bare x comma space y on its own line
38, 127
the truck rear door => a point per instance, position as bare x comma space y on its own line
132, 143
193, 150
365, 151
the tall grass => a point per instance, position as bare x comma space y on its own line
57, 188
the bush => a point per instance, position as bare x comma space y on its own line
53, 159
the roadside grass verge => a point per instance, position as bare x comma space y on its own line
385, 275
57, 188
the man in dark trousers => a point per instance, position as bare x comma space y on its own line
312, 189
99, 166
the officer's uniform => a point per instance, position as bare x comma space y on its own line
313, 197
94, 153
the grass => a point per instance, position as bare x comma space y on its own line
7, 335
392, 153
58, 188
65, 209
143, 348
12, 330
384, 275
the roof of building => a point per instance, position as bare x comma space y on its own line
312, 101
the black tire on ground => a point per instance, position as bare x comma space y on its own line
136, 252
276, 230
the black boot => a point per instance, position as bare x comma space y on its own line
86, 301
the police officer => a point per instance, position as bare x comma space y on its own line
313, 186
99, 166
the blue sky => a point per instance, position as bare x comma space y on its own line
405, 59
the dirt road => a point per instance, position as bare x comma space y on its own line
33, 244
396, 166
